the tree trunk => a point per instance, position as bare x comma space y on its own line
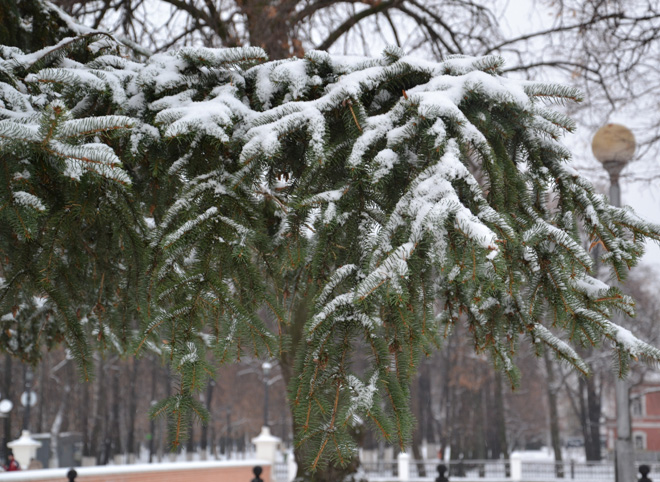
482, 432
152, 422
71, 380
417, 453
226, 443
42, 385
299, 316
56, 427
132, 408
584, 425
423, 396
332, 473
170, 447
551, 390
268, 28
113, 433
84, 420
100, 415
214, 451
190, 445
445, 427
479, 446
594, 413
205, 427
589, 418
503, 444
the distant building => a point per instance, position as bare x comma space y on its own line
645, 418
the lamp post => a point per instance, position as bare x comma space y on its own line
25, 447
614, 146
28, 399
266, 367
5, 407
265, 443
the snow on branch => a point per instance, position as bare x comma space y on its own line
384, 197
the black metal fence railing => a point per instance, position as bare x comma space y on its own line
380, 468
654, 466
571, 470
427, 469
489, 469
463, 468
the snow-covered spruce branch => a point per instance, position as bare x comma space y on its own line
384, 199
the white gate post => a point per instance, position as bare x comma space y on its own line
266, 445
403, 460
516, 467
291, 465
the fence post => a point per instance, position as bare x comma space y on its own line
403, 460
572, 469
516, 467
71, 474
266, 445
291, 466
441, 473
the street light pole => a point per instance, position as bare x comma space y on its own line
614, 146
266, 368
5, 408
265, 443
29, 376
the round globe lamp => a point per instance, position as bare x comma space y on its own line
614, 146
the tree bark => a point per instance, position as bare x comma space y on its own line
420, 435
594, 412
84, 420
551, 390
56, 428
40, 401
448, 393
417, 453
132, 408
590, 418
113, 430
267, 25
190, 445
71, 380
152, 422
503, 444
100, 403
299, 315
205, 427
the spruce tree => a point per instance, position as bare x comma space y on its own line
340, 214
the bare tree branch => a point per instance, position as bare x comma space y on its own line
351, 22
